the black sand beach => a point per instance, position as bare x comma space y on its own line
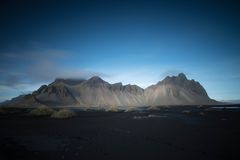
169, 133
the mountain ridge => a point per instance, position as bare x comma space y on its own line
95, 92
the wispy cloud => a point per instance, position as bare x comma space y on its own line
44, 72
43, 66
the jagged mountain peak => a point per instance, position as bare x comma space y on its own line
179, 79
117, 85
95, 79
177, 90
182, 76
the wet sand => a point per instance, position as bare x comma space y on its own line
168, 133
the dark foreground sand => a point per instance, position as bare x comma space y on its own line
150, 135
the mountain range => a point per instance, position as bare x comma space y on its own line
95, 92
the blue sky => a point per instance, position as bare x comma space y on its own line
136, 42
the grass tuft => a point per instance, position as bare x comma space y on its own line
63, 113
42, 111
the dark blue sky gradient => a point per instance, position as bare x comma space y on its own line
137, 42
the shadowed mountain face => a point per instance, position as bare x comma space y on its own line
95, 92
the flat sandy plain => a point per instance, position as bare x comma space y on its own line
205, 133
